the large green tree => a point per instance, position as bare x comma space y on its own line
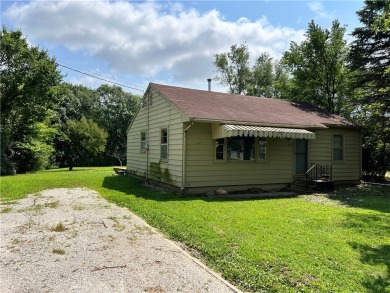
318, 67
267, 78
81, 138
27, 75
118, 109
282, 82
233, 68
77, 102
109, 107
262, 77
370, 61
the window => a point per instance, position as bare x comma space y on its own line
143, 140
219, 148
241, 148
262, 149
338, 147
164, 144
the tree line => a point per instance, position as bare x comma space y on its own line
351, 80
46, 122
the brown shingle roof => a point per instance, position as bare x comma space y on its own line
224, 108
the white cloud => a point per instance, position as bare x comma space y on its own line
320, 11
147, 38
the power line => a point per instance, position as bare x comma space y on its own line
97, 77
102, 76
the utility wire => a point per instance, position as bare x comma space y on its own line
102, 76
104, 79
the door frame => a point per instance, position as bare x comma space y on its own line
305, 153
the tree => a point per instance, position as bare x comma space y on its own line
77, 102
370, 61
35, 151
282, 82
81, 138
318, 68
262, 79
109, 107
382, 22
266, 78
27, 76
233, 69
118, 109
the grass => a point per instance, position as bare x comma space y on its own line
58, 228
334, 243
6, 210
58, 251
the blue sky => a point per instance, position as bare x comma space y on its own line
169, 42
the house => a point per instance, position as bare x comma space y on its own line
197, 140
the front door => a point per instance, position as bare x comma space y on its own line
300, 156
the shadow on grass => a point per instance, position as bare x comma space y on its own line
134, 186
67, 170
368, 222
380, 255
364, 196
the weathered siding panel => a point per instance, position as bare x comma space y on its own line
203, 170
321, 152
162, 114
136, 159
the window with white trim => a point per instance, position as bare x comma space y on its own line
262, 149
219, 149
164, 144
338, 147
241, 148
143, 141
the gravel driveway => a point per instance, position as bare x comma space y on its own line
72, 240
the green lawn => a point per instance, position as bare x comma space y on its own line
338, 243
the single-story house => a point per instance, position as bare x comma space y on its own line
197, 141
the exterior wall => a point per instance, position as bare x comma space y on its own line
162, 114
203, 170
321, 152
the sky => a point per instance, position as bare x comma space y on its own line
133, 43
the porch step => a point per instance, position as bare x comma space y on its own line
301, 186
323, 185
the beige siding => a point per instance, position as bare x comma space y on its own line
162, 114
203, 170
321, 152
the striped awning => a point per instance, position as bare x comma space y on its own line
273, 132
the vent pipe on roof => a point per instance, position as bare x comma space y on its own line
209, 81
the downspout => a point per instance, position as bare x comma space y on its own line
183, 180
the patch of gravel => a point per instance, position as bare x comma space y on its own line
72, 240
323, 199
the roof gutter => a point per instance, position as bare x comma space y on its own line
184, 155
313, 126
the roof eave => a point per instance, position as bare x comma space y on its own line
208, 120
138, 108
352, 125
184, 115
